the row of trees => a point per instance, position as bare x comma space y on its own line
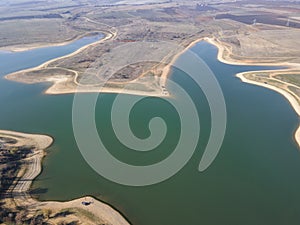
10, 163
20, 216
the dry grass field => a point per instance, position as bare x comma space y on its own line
248, 30
141, 40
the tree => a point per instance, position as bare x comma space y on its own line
20, 217
47, 213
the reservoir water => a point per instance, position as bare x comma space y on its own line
254, 180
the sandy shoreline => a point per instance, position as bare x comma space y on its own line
17, 48
166, 70
55, 89
287, 95
291, 99
40, 141
289, 67
99, 206
45, 64
222, 50
33, 168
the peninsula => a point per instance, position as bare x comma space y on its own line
141, 41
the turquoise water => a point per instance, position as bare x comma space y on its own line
254, 180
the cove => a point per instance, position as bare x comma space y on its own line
253, 180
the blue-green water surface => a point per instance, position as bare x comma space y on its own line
254, 180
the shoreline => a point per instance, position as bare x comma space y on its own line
220, 56
166, 71
52, 90
222, 49
107, 36
290, 98
289, 67
28, 47
33, 168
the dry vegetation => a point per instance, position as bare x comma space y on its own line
20, 163
140, 36
287, 80
141, 39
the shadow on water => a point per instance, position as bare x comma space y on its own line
38, 191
